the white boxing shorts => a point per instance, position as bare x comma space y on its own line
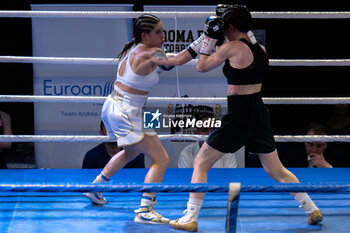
122, 115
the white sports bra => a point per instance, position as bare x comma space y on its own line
130, 79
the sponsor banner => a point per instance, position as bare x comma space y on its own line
73, 37
70, 116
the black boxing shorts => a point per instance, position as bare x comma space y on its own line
247, 123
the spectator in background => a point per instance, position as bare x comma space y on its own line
5, 129
315, 151
100, 155
189, 153
315, 154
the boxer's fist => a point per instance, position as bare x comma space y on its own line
214, 27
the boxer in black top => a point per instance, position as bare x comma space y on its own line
247, 121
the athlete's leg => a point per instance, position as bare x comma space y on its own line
152, 147
117, 162
273, 166
205, 159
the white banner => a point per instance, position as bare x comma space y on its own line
73, 37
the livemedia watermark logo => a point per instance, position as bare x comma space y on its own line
158, 120
151, 120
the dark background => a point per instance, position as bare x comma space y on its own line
285, 39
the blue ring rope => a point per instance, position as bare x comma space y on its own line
102, 187
297, 188
89, 187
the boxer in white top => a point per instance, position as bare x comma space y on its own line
122, 111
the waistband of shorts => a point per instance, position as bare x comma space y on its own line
248, 96
234, 101
126, 97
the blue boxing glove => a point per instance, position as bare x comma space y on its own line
213, 32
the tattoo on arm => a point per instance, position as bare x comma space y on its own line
159, 54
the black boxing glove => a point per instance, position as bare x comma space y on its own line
221, 8
212, 33
214, 27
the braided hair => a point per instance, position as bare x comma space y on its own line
144, 23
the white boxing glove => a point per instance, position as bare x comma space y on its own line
195, 47
207, 45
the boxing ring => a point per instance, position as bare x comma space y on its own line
55, 211
45, 200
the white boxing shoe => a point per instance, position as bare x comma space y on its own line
146, 214
96, 198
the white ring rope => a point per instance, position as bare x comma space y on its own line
172, 100
172, 14
167, 100
59, 60
114, 61
164, 137
310, 62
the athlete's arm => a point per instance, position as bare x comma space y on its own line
206, 63
169, 59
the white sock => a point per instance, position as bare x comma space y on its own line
101, 178
305, 201
193, 207
148, 199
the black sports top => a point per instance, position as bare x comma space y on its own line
254, 73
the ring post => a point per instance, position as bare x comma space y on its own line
232, 207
